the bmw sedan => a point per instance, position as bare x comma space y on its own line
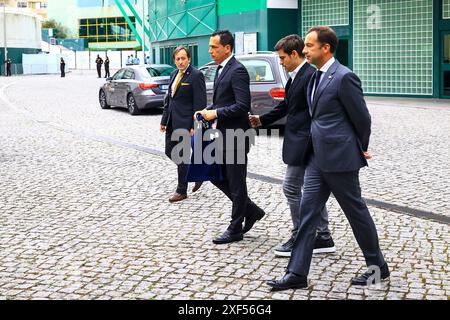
136, 88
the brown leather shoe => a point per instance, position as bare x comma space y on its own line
197, 186
177, 197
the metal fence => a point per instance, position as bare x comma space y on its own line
16, 68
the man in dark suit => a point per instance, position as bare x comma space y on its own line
8, 63
185, 96
231, 104
297, 129
339, 140
99, 62
63, 68
107, 74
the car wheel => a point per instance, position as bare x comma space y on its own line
132, 106
102, 99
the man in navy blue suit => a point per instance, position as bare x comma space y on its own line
186, 95
296, 134
231, 104
338, 144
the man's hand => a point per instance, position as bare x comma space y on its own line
191, 132
209, 114
162, 128
195, 114
367, 155
254, 121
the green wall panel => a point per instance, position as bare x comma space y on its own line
202, 20
162, 8
254, 21
174, 19
15, 54
235, 6
393, 46
446, 9
277, 30
324, 12
202, 48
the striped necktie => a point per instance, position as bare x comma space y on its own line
177, 82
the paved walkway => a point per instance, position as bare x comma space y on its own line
84, 211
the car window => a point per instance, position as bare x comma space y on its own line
160, 71
119, 74
259, 70
209, 73
129, 74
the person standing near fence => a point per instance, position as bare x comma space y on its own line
63, 68
107, 75
99, 62
8, 63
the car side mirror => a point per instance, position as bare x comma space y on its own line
109, 79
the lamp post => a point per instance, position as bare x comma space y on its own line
4, 29
143, 29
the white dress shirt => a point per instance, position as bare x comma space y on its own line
294, 73
224, 63
175, 79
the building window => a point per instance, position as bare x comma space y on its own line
394, 55
324, 13
21, 4
166, 54
446, 9
113, 29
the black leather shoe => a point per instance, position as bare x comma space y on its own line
289, 281
177, 197
250, 221
228, 237
197, 186
362, 280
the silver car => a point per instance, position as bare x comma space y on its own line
267, 81
136, 87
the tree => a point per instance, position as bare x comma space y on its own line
59, 31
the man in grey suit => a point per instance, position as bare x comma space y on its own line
338, 144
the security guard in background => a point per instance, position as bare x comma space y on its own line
99, 62
8, 62
63, 68
107, 75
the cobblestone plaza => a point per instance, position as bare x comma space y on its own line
84, 211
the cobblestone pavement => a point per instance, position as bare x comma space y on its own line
88, 218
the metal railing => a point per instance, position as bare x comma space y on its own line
16, 68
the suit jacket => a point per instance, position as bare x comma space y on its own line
189, 97
340, 121
232, 98
298, 120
